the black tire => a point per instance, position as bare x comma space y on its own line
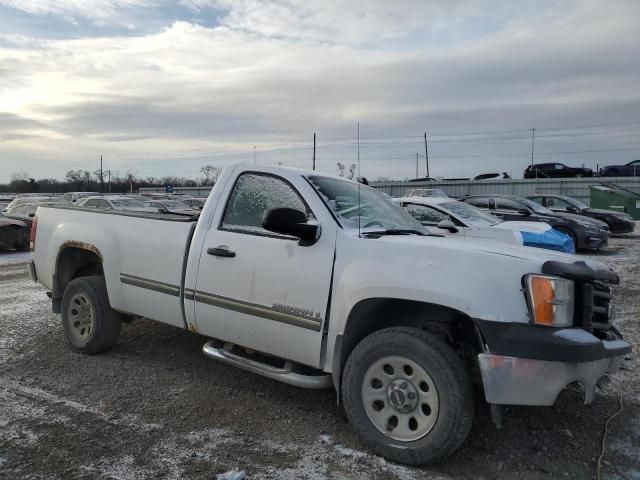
88, 295
450, 378
573, 236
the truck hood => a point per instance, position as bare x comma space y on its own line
503, 252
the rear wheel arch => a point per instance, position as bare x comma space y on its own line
73, 261
454, 327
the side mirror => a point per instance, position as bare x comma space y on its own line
292, 222
448, 225
163, 210
32, 215
524, 211
571, 208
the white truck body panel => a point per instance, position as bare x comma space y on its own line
131, 245
269, 274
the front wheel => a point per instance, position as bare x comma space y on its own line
408, 395
90, 325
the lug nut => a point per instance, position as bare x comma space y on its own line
403, 385
411, 395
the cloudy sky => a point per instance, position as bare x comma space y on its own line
164, 87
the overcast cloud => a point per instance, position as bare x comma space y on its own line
160, 88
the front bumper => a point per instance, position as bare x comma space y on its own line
593, 239
523, 381
622, 226
530, 365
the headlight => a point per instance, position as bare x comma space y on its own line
623, 216
551, 300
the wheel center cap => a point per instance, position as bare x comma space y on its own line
402, 395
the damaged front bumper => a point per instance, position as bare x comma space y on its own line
523, 381
527, 365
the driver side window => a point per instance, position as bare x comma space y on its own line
254, 194
506, 204
556, 203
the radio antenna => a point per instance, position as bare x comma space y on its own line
358, 180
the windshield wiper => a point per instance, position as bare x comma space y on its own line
396, 231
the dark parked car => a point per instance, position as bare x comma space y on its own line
631, 169
619, 222
13, 234
555, 170
26, 211
585, 232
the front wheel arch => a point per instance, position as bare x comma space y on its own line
370, 315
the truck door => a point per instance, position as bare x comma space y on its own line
259, 289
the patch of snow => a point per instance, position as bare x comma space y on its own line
10, 258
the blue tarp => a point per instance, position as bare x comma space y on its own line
551, 239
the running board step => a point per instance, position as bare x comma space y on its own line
283, 374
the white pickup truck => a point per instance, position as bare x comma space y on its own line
317, 281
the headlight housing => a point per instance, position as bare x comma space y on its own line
551, 300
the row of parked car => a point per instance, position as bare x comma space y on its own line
18, 211
560, 170
555, 222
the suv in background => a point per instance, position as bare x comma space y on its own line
619, 222
586, 233
556, 170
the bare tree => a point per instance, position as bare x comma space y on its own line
210, 173
74, 177
341, 166
19, 177
352, 171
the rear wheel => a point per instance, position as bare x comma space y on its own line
90, 325
408, 395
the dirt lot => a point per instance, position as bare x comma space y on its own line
155, 407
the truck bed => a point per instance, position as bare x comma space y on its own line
131, 246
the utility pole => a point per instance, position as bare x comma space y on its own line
314, 151
426, 153
109, 174
254, 154
533, 139
416, 165
101, 176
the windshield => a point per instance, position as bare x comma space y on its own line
536, 207
374, 210
175, 204
127, 203
470, 214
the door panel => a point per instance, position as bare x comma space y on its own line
267, 292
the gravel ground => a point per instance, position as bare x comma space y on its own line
155, 407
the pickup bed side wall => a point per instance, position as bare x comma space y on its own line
455, 279
142, 258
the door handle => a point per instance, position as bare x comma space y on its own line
221, 251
